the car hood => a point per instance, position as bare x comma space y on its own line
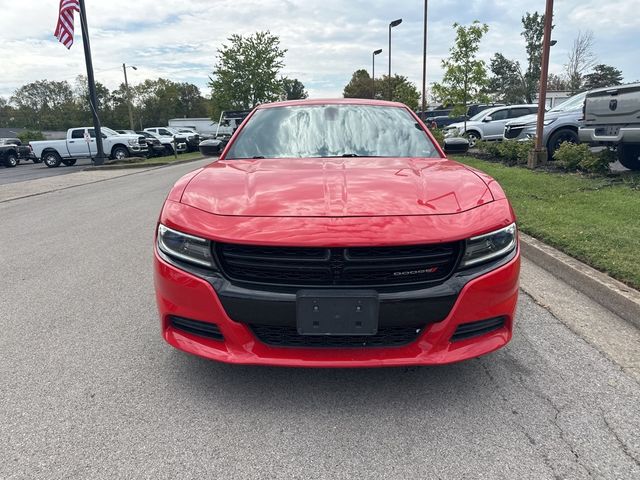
336, 187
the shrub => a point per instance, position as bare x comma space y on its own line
510, 152
438, 134
30, 135
574, 157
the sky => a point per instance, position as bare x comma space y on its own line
326, 40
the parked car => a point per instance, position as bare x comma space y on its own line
561, 124
318, 241
169, 142
75, 146
12, 151
154, 145
488, 124
611, 118
190, 139
445, 120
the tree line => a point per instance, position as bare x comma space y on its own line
248, 72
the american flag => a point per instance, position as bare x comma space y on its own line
64, 28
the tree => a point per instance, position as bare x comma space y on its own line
6, 113
533, 33
247, 72
45, 104
404, 91
360, 85
465, 76
556, 83
507, 82
293, 89
581, 59
602, 76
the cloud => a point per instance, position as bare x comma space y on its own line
326, 40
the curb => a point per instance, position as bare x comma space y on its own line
128, 166
613, 295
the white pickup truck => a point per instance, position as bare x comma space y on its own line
81, 143
612, 118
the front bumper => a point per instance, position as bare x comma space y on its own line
460, 300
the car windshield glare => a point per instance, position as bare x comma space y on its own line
312, 131
572, 103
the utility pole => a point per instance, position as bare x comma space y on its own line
126, 86
424, 61
93, 99
539, 153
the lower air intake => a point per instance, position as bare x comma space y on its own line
475, 329
202, 329
281, 336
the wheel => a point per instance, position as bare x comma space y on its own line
168, 150
473, 138
69, 162
629, 156
51, 159
119, 153
10, 160
559, 137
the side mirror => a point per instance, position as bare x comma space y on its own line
487, 119
104, 135
456, 145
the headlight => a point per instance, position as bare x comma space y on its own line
549, 122
490, 246
133, 142
185, 247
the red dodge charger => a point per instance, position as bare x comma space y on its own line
336, 233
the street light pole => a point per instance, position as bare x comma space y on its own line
424, 60
373, 72
539, 154
126, 86
395, 23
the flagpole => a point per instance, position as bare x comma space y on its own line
93, 98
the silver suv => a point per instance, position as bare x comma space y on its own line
561, 124
488, 124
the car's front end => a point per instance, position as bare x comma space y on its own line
339, 261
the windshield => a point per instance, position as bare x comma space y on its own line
479, 116
108, 131
574, 103
312, 131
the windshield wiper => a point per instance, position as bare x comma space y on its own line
255, 157
350, 155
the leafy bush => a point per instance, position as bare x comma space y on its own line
510, 152
574, 157
30, 135
438, 134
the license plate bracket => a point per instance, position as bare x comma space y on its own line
339, 312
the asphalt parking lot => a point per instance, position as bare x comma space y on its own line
27, 170
90, 390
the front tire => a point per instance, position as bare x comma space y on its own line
558, 138
51, 159
473, 138
11, 160
629, 156
119, 153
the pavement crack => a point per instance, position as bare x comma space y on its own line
622, 443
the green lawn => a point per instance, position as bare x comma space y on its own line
596, 220
159, 160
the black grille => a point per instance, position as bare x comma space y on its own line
283, 336
513, 131
318, 266
202, 329
475, 329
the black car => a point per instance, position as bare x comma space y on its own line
155, 146
12, 151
